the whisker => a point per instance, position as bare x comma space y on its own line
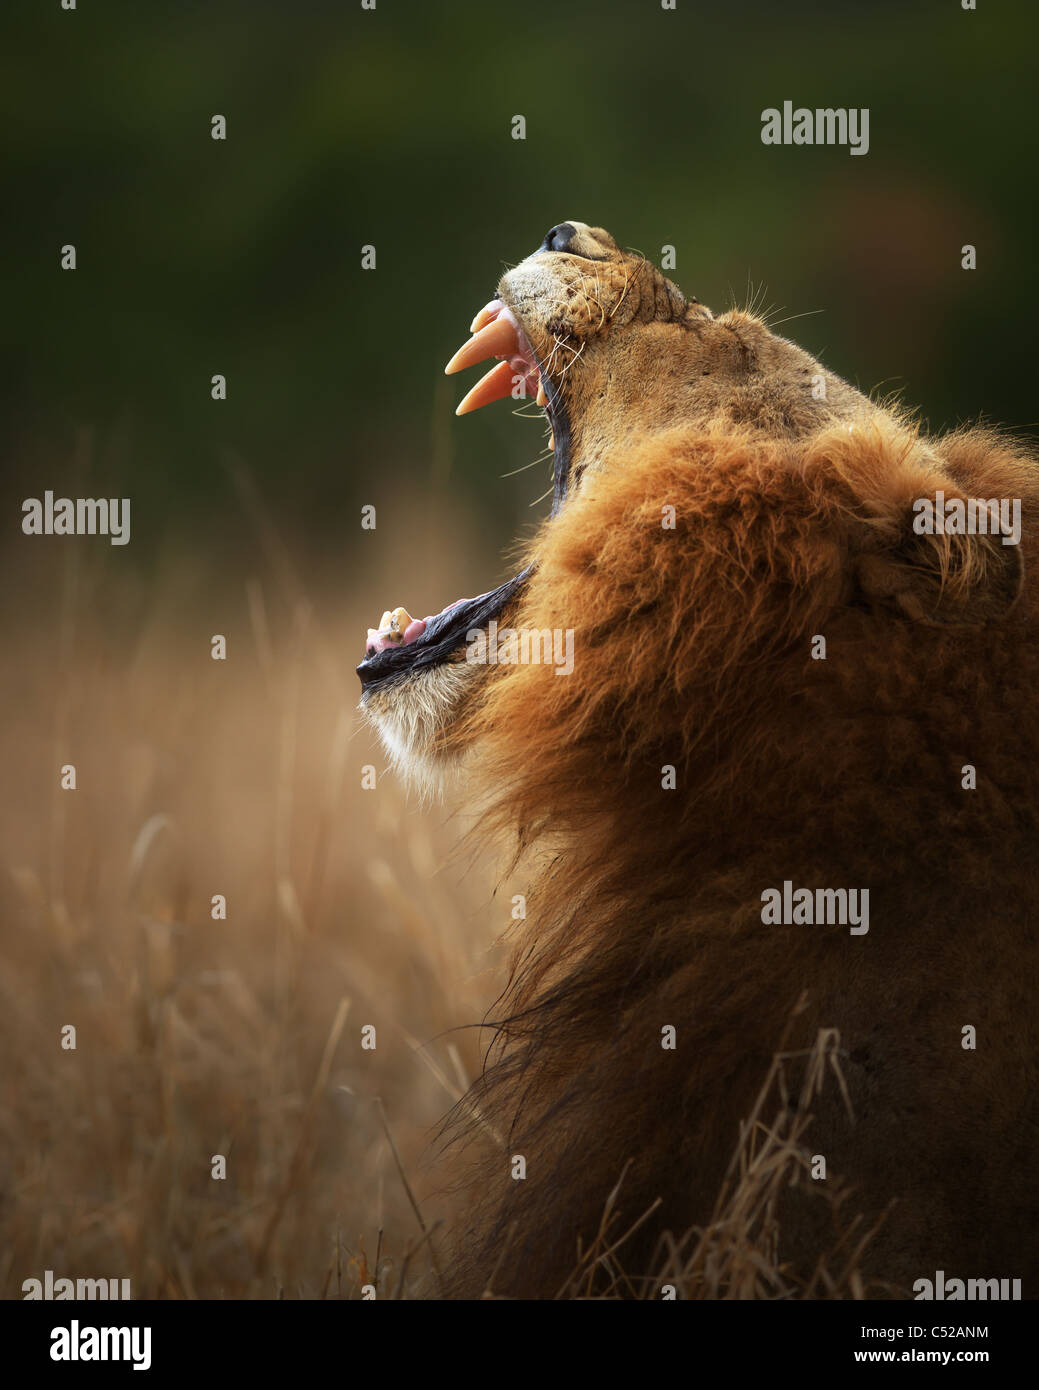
790, 317
598, 300
628, 280
573, 358
524, 466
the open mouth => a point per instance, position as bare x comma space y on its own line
401, 644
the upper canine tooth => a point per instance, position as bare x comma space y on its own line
492, 387
542, 398
485, 315
497, 339
386, 621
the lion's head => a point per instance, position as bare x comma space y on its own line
803, 653
615, 353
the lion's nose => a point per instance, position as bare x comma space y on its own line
559, 237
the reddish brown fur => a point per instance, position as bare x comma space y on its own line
692, 649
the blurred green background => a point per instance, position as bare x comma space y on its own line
392, 127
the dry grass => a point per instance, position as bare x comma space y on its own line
198, 1037
738, 1254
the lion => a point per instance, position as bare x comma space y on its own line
794, 760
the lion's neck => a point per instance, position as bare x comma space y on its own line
699, 375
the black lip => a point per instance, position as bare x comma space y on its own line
560, 419
446, 632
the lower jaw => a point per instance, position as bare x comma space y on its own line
445, 634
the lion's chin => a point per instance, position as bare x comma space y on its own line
415, 721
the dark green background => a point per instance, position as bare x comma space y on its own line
348, 127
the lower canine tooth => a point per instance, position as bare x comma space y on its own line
392, 627
400, 621
552, 440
